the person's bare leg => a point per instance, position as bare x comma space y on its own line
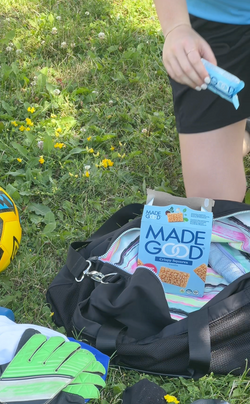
246, 143
212, 163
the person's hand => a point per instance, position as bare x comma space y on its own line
182, 53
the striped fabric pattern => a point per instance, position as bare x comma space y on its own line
229, 259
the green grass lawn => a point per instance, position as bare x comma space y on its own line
86, 126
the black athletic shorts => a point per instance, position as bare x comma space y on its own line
201, 111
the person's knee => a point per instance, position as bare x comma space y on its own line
212, 163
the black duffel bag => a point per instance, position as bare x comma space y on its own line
127, 316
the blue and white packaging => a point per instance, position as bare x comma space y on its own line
175, 243
224, 83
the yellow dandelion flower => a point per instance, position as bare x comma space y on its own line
31, 110
89, 138
171, 399
59, 130
59, 145
19, 160
53, 116
90, 150
27, 128
112, 148
76, 175
29, 122
22, 128
104, 163
41, 160
87, 174
14, 123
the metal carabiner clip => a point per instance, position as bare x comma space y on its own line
95, 275
85, 272
99, 277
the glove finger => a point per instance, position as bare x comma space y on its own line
17, 365
87, 391
76, 363
96, 367
56, 351
88, 378
51, 345
27, 334
61, 358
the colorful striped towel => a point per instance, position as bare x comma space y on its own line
225, 263
181, 306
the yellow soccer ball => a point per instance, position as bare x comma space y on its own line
10, 230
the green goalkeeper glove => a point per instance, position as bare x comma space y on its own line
41, 369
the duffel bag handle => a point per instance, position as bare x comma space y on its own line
75, 262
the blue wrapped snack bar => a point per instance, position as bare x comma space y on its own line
224, 83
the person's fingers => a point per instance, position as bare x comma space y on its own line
180, 69
194, 58
189, 68
208, 54
176, 73
174, 69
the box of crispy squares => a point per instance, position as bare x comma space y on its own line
175, 243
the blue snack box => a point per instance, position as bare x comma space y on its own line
175, 244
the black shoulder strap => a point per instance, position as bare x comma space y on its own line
75, 262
